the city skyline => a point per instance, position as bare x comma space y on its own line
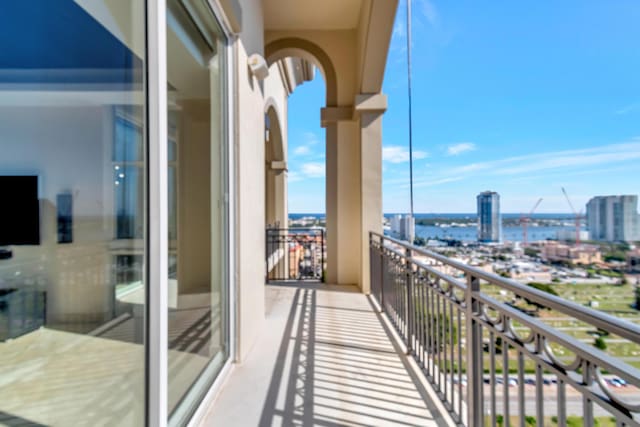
497, 108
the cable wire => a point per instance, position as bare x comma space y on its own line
411, 220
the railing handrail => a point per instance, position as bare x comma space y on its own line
451, 336
297, 229
614, 325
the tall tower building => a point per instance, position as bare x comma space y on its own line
489, 219
613, 218
403, 226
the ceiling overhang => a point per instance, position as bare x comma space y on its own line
288, 15
370, 22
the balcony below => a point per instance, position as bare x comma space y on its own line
326, 358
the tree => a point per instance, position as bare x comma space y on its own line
600, 343
545, 287
531, 252
614, 256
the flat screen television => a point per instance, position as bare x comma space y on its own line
19, 210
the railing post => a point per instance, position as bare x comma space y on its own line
382, 275
409, 313
475, 404
323, 276
373, 279
267, 254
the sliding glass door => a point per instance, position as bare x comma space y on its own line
198, 341
79, 179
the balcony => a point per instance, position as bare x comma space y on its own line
436, 343
325, 358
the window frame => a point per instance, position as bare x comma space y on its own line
157, 215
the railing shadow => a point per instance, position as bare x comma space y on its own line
335, 366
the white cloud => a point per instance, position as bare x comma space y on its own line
438, 181
429, 11
573, 159
313, 170
399, 29
398, 154
294, 177
310, 138
302, 150
627, 109
560, 164
562, 161
459, 148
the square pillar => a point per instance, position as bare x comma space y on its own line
354, 187
369, 108
343, 195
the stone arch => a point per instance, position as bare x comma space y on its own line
301, 48
273, 123
275, 169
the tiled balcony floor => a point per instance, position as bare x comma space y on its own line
323, 359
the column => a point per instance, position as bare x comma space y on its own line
342, 195
370, 108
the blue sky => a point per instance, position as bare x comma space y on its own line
522, 98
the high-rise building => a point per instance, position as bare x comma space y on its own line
613, 218
403, 226
489, 219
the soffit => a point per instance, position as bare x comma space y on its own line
311, 14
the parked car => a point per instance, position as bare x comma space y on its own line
620, 381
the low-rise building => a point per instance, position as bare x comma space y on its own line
633, 261
569, 235
580, 254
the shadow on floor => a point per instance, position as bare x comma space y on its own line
15, 421
337, 366
314, 285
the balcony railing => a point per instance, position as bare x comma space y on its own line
490, 348
295, 254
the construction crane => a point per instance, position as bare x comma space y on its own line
524, 220
578, 216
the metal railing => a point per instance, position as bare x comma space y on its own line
491, 360
295, 254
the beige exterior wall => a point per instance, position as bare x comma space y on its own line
276, 94
351, 59
249, 162
194, 216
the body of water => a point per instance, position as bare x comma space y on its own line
470, 233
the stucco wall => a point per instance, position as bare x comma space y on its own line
340, 46
250, 241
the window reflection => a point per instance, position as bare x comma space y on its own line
71, 281
198, 319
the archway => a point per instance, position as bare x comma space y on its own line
275, 171
353, 133
301, 48
304, 49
